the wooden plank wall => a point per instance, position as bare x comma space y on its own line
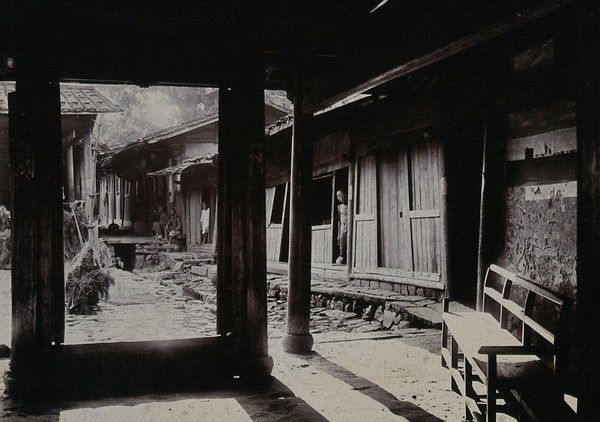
322, 244
274, 231
365, 229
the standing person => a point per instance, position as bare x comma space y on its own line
174, 226
342, 209
160, 223
204, 222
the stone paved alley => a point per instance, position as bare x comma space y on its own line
357, 372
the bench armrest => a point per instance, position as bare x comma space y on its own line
508, 350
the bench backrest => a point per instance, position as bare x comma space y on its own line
535, 309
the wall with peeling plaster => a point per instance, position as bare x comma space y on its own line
540, 240
541, 198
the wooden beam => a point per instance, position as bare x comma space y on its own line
327, 91
588, 209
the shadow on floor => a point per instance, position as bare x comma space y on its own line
407, 410
265, 402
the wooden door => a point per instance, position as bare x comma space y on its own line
118, 218
126, 203
425, 215
410, 226
194, 210
394, 211
365, 221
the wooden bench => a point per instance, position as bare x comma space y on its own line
511, 357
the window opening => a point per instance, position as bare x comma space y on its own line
278, 203
321, 200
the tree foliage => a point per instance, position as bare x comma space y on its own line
148, 110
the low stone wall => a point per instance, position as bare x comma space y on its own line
390, 312
401, 288
145, 254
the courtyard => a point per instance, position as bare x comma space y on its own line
352, 374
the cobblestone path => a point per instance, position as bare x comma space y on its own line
140, 307
151, 306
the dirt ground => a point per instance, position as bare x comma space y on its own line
358, 375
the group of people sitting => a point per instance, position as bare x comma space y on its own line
169, 227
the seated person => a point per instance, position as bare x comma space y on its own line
160, 224
174, 226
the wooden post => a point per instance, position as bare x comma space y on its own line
242, 262
70, 188
89, 185
588, 209
37, 268
298, 338
350, 199
224, 201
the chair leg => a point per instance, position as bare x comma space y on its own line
491, 389
454, 363
469, 392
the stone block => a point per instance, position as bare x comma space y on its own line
386, 285
197, 270
379, 312
401, 325
399, 318
412, 290
404, 289
374, 284
388, 318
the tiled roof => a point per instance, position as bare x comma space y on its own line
74, 100
180, 128
190, 162
280, 125
163, 134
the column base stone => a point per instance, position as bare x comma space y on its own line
299, 344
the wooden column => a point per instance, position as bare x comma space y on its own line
88, 190
70, 188
242, 262
37, 267
351, 212
298, 338
588, 210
